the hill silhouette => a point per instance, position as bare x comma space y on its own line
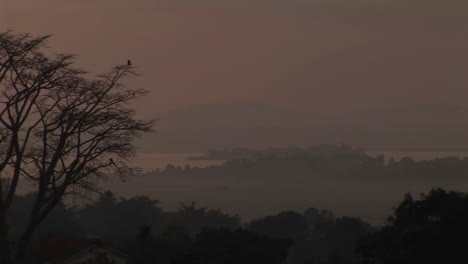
215, 126
233, 115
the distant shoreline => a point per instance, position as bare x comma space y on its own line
417, 149
365, 149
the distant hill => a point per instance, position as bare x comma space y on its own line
216, 126
416, 114
232, 115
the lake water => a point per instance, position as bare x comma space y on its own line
252, 197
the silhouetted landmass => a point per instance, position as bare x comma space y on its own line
148, 234
252, 154
322, 162
428, 230
194, 235
265, 182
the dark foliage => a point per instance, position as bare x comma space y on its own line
287, 225
238, 246
195, 219
429, 230
200, 235
117, 219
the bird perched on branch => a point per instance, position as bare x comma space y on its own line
129, 63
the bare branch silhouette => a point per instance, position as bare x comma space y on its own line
58, 128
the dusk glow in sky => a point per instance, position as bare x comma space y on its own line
286, 112
323, 56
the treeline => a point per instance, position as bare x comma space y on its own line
192, 234
246, 153
324, 162
430, 229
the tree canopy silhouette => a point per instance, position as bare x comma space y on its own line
429, 230
59, 129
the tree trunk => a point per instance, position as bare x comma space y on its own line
23, 244
5, 253
36, 219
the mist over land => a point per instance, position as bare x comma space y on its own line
425, 126
288, 131
426, 131
339, 178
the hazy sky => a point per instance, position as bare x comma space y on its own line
320, 55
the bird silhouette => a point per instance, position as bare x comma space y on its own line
129, 62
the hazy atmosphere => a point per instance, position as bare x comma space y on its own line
310, 55
268, 116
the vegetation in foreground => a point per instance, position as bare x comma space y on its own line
429, 229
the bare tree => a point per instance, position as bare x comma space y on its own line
59, 129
